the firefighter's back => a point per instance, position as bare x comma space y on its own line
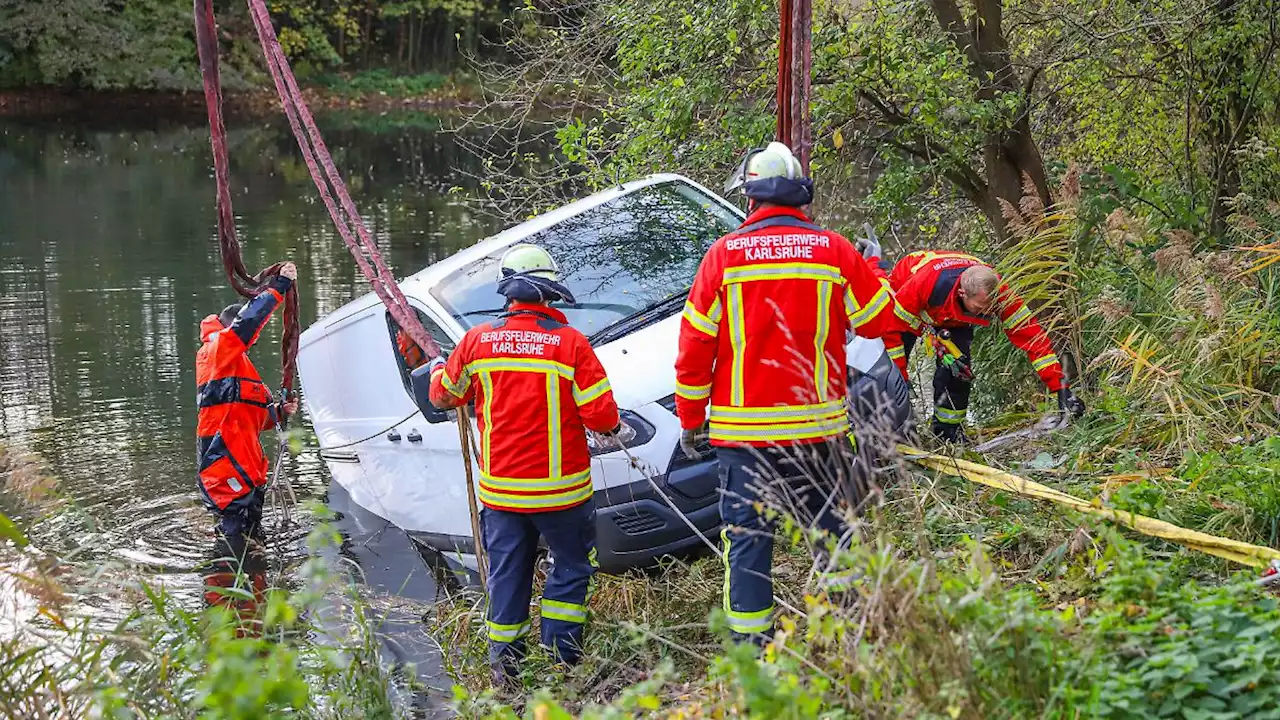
533, 453
784, 298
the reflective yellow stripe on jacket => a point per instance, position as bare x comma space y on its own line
1020, 316
738, 340
573, 489
556, 489
1044, 362
778, 424
821, 367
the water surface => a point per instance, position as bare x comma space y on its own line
108, 262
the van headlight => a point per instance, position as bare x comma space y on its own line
634, 431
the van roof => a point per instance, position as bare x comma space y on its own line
419, 284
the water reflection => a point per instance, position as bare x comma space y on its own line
108, 261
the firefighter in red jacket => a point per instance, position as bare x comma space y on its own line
538, 388
235, 407
948, 294
762, 341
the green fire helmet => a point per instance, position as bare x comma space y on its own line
528, 259
773, 160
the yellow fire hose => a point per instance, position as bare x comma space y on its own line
1233, 550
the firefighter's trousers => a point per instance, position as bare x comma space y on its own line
243, 516
812, 483
511, 540
950, 393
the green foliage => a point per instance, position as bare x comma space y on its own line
165, 659
1184, 651
149, 44
683, 90
1234, 492
96, 44
948, 640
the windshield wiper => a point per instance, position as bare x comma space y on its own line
640, 318
491, 312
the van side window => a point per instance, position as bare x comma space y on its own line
408, 355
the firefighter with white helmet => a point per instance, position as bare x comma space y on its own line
762, 364
538, 388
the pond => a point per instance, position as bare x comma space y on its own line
108, 262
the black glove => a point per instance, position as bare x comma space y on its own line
1068, 402
689, 444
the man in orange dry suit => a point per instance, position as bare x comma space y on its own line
235, 406
762, 340
952, 293
538, 388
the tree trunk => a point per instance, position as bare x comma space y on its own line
1009, 158
368, 32
1011, 154
1225, 121
413, 39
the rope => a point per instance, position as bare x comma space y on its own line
337, 200
383, 431
245, 284
333, 192
342, 210
1233, 550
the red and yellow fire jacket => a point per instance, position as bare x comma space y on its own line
538, 387
234, 404
927, 285
762, 339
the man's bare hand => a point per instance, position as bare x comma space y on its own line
290, 271
291, 408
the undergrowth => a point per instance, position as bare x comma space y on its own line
977, 603
1102, 629
254, 652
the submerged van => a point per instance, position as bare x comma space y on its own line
629, 254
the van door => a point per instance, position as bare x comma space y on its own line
423, 458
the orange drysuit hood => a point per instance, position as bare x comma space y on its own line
208, 326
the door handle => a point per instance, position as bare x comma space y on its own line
339, 456
415, 436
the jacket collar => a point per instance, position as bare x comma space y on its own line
953, 311
538, 308
765, 213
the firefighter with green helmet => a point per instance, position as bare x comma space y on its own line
538, 388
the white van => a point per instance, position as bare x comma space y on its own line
629, 255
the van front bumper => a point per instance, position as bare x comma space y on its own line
638, 523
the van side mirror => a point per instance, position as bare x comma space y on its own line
420, 381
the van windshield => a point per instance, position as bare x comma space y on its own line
619, 259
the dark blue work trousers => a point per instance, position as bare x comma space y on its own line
243, 517
511, 540
812, 483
